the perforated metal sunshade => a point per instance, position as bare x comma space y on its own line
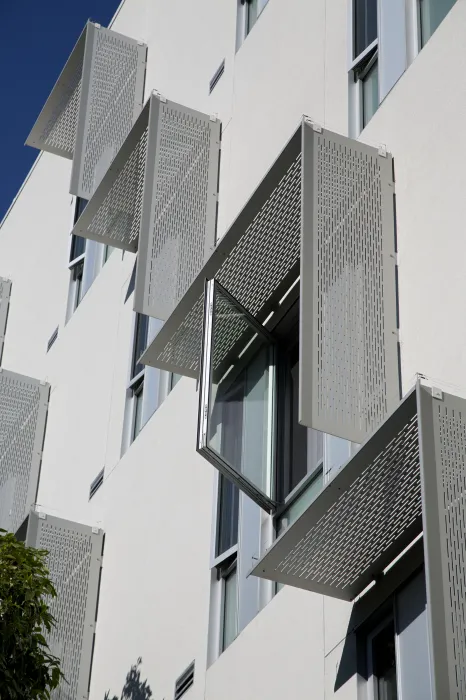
5, 293
93, 104
443, 458
74, 561
349, 378
160, 196
256, 261
329, 217
360, 521
23, 414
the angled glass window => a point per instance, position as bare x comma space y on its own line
237, 414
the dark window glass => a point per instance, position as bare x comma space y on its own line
78, 246
384, 663
140, 342
228, 504
80, 206
365, 24
301, 448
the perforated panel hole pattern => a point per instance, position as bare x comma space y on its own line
119, 216
69, 562
60, 130
452, 433
263, 257
177, 246
381, 503
350, 342
111, 102
20, 404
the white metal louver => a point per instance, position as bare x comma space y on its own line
23, 415
93, 105
349, 378
74, 560
5, 293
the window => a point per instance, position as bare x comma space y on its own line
249, 424
229, 576
136, 386
147, 387
107, 251
383, 662
396, 646
365, 67
431, 14
364, 25
76, 261
227, 516
225, 567
248, 14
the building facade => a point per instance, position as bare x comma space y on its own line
232, 372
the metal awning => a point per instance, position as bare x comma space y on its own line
257, 261
55, 127
23, 414
93, 104
113, 214
360, 521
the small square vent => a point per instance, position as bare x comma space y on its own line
184, 682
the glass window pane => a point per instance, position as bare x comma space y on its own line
175, 378
370, 94
337, 452
365, 24
384, 663
81, 204
252, 11
108, 250
138, 397
140, 342
228, 508
432, 13
300, 504
240, 393
78, 247
230, 615
302, 449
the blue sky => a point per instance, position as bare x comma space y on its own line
36, 38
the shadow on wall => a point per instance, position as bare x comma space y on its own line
134, 688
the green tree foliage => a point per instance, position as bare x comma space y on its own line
27, 669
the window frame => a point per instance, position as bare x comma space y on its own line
242, 27
277, 508
389, 619
224, 571
211, 287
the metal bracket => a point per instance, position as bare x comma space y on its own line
437, 393
95, 530
158, 94
383, 150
